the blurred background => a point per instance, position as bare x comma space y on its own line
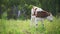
17, 13
22, 8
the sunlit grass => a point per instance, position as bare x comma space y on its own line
23, 27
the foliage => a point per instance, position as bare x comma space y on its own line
48, 5
23, 27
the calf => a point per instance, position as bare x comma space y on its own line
38, 14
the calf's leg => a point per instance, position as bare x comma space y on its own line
36, 22
32, 21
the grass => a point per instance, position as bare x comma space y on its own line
23, 27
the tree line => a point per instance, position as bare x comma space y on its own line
25, 6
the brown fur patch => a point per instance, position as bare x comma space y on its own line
42, 14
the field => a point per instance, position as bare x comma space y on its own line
23, 27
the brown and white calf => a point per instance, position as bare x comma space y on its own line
38, 14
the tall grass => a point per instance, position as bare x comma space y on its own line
23, 27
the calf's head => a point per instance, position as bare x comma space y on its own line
50, 18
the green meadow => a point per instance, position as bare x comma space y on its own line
23, 27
